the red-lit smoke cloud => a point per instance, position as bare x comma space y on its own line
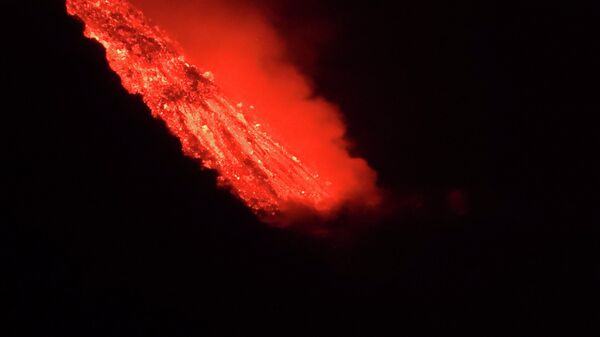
236, 42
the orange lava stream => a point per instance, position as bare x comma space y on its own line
224, 135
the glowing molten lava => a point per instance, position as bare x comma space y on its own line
226, 136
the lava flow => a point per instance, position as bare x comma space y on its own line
226, 136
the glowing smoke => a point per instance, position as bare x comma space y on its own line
236, 41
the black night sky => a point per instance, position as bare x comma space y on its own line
113, 232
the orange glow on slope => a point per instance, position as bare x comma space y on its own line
287, 151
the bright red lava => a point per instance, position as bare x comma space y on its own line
227, 136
